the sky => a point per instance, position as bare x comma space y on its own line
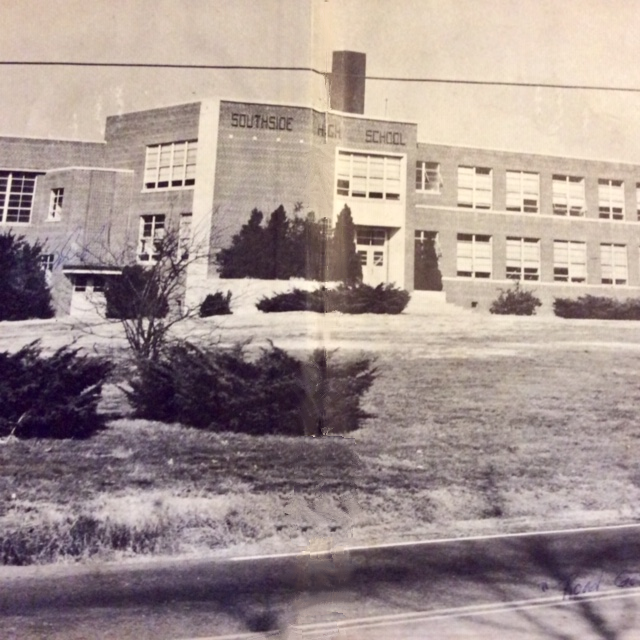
572, 42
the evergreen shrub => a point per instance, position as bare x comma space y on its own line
24, 292
50, 396
355, 299
275, 393
597, 307
135, 294
515, 302
216, 304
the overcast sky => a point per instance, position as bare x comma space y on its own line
593, 42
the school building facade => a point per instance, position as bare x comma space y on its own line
561, 226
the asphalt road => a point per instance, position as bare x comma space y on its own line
207, 598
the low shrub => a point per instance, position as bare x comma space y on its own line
359, 298
515, 302
597, 307
216, 304
224, 390
50, 396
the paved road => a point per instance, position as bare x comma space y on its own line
205, 598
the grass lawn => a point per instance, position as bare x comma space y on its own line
482, 424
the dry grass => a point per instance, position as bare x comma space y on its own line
483, 424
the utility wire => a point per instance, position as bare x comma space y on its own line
239, 67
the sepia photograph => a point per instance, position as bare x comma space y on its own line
319, 319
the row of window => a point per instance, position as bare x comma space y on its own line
475, 259
475, 190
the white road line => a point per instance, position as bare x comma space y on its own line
417, 543
439, 614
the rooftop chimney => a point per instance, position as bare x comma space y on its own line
347, 81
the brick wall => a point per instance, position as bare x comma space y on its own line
41, 154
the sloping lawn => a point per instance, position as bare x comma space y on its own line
482, 424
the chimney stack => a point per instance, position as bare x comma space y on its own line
348, 73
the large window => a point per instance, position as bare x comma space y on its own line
568, 196
569, 261
523, 191
16, 196
475, 187
613, 263
428, 176
171, 165
151, 234
474, 256
611, 199
365, 175
523, 259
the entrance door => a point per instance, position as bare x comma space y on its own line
372, 248
88, 295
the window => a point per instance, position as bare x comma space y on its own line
523, 259
371, 235
474, 256
47, 260
638, 200
568, 196
613, 263
569, 261
16, 196
475, 187
171, 165
363, 175
55, 204
611, 199
151, 235
428, 176
523, 191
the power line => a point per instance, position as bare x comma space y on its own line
239, 67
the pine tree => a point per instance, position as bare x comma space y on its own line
344, 263
248, 255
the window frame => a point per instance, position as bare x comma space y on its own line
47, 262
614, 281
56, 203
572, 266
359, 178
475, 189
422, 177
606, 203
475, 257
521, 195
152, 229
567, 208
521, 274
165, 152
9, 192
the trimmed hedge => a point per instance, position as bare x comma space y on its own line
216, 304
224, 390
360, 298
515, 302
50, 396
597, 307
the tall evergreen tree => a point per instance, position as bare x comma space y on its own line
344, 263
427, 273
248, 256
